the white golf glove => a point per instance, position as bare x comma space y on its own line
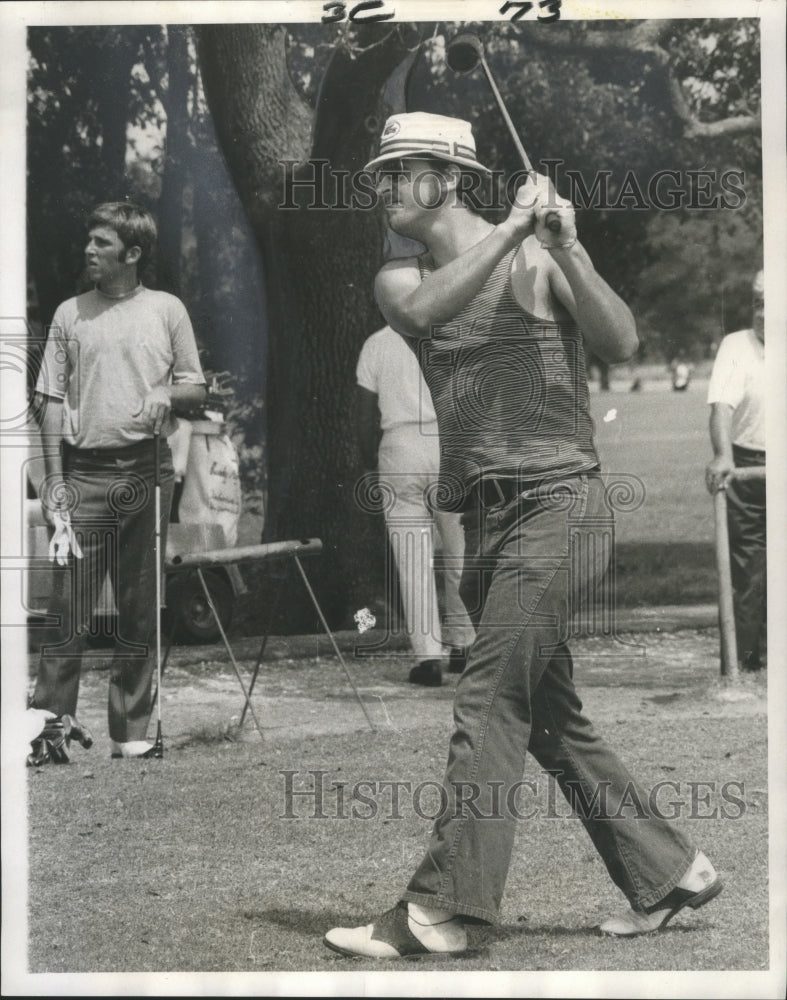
549, 208
64, 540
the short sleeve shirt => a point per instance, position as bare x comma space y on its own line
738, 379
104, 355
388, 367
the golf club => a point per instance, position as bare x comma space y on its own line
158, 747
463, 53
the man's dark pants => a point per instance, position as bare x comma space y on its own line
113, 516
748, 559
529, 564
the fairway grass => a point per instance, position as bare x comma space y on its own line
654, 445
192, 864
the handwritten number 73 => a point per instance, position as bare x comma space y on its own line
522, 7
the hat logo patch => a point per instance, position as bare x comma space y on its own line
390, 129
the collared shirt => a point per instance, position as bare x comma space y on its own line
738, 379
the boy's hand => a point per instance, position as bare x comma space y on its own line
156, 407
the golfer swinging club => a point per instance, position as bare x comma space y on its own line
498, 312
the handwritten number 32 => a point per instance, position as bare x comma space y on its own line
356, 12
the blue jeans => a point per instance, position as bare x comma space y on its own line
529, 564
113, 517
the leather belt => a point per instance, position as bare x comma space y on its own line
121, 451
497, 491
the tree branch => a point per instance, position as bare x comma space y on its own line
641, 41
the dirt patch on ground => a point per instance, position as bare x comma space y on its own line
205, 861
648, 674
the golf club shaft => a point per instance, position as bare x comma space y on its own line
157, 493
552, 220
504, 111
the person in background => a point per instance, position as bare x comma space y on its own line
681, 371
736, 395
393, 397
118, 360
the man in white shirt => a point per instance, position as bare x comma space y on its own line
393, 398
736, 395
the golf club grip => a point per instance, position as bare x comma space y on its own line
552, 222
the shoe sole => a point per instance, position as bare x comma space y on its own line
700, 899
341, 951
695, 902
411, 955
377, 958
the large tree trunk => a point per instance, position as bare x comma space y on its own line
319, 269
173, 182
114, 55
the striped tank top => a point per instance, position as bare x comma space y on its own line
510, 392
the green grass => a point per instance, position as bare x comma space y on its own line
660, 438
658, 445
658, 573
189, 863
658, 441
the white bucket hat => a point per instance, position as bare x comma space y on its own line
421, 134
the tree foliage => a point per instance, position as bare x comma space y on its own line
88, 88
629, 103
283, 298
79, 109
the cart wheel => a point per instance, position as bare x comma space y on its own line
186, 602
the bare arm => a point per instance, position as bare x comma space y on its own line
606, 322
413, 306
367, 425
49, 415
721, 442
159, 401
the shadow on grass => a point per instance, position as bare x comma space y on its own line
665, 573
512, 932
509, 932
646, 573
311, 924
308, 923
314, 926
